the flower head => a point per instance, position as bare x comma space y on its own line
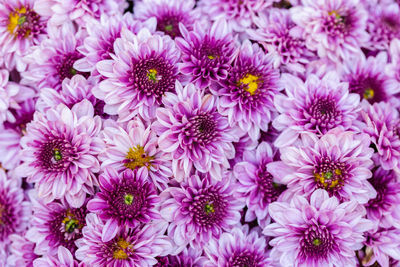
189, 257
125, 200
318, 232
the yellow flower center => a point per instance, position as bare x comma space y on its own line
209, 208
70, 223
1, 214
57, 154
211, 57
169, 28
128, 199
251, 82
152, 75
16, 19
325, 178
369, 93
316, 242
122, 247
137, 158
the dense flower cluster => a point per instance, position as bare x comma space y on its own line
200, 133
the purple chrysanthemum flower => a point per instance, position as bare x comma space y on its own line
385, 207
238, 247
338, 162
169, 13
382, 245
257, 186
383, 25
366, 78
206, 55
139, 75
238, 13
20, 28
319, 232
52, 61
393, 69
79, 11
62, 258
136, 247
189, 257
333, 28
279, 36
135, 146
59, 153
193, 132
314, 106
124, 200
21, 251
246, 95
14, 210
201, 209
55, 224
381, 123
102, 33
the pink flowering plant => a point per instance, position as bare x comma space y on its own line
199, 133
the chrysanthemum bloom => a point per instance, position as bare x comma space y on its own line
238, 247
257, 186
333, 28
319, 232
141, 72
382, 245
189, 257
131, 247
206, 55
383, 25
382, 125
20, 28
59, 153
201, 209
367, 78
280, 37
124, 200
79, 11
52, 61
338, 162
55, 224
239, 14
193, 132
21, 251
246, 96
135, 146
102, 33
14, 210
169, 13
314, 106
393, 69
385, 207
10, 135
62, 258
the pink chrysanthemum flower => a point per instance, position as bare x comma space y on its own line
20, 28
141, 72
102, 33
79, 11
381, 123
14, 210
366, 78
238, 13
384, 209
314, 106
55, 224
21, 251
246, 96
333, 28
52, 61
135, 247
238, 247
279, 36
382, 245
193, 132
59, 153
62, 258
338, 162
206, 54
393, 69
128, 199
200, 210
383, 25
319, 232
189, 257
168, 13
257, 186
135, 146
